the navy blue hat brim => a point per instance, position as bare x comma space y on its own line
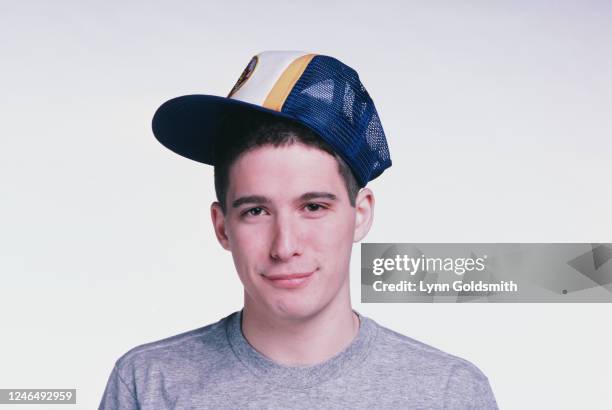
191, 125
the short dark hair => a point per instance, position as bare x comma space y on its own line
257, 130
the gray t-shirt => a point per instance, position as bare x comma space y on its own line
215, 367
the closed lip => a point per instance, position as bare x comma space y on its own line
289, 276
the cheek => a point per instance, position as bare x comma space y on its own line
248, 247
332, 237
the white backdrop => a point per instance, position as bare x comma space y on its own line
498, 120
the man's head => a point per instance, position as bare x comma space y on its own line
292, 207
288, 204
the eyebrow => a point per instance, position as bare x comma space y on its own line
251, 199
260, 199
315, 195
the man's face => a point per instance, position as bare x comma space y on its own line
290, 228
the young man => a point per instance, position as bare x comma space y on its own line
293, 146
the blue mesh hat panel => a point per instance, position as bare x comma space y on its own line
331, 100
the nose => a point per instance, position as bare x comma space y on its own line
286, 241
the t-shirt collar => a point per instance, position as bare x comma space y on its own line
300, 376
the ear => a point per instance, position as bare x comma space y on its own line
218, 220
364, 213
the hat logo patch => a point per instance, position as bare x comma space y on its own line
246, 74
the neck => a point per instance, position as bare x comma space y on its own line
303, 341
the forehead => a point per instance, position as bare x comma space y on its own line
286, 170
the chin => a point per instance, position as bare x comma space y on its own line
294, 309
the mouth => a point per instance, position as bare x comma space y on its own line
289, 281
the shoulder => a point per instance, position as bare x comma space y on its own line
435, 374
420, 356
425, 367
146, 374
195, 347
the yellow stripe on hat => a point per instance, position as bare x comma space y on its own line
285, 83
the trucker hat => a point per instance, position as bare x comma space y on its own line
316, 91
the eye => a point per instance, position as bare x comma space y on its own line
253, 211
313, 207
